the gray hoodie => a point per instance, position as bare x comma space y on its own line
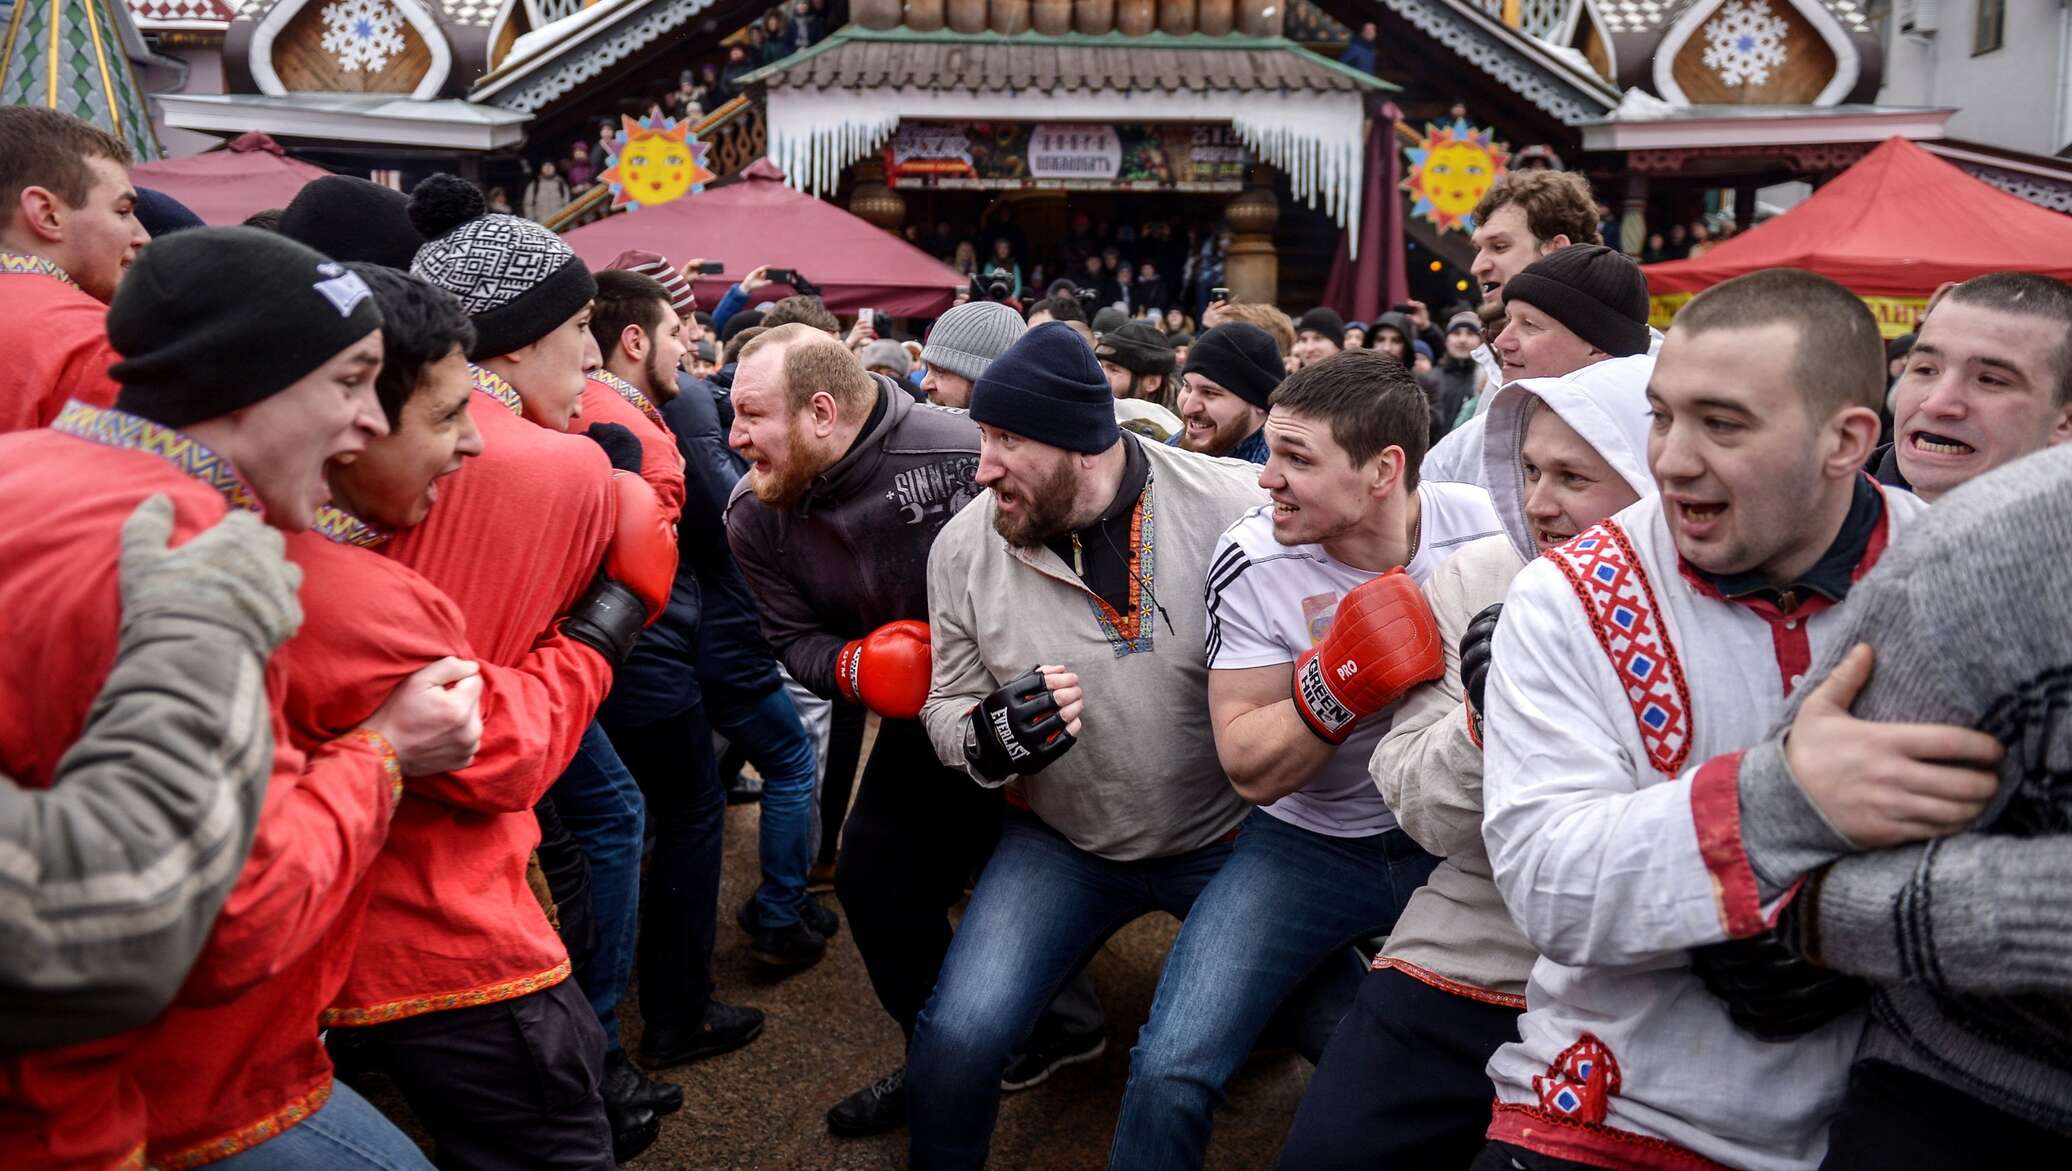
1455, 933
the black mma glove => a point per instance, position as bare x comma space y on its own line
1474, 656
620, 445
1016, 730
1770, 991
609, 617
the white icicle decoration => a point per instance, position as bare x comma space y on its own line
1313, 139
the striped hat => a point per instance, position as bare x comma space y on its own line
681, 298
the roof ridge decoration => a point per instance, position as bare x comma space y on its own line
1523, 64
70, 56
590, 49
166, 15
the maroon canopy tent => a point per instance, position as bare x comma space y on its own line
757, 221
224, 186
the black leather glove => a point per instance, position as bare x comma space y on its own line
1474, 653
608, 616
1016, 730
1770, 991
620, 445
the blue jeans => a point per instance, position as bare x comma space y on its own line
769, 732
602, 808
1288, 900
1042, 908
345, 1134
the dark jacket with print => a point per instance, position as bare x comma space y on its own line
854, 554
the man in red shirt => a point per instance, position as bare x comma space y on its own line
249, 361
68, 231
517, 539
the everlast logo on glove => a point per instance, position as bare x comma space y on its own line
1016, 730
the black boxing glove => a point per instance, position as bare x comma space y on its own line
1770, 991
1016, 730
609, 617
621, 446
1474, 656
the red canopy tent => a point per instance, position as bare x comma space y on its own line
758, 220
1892, 229
224, 186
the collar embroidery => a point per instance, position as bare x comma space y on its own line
628, 392
22, 264
494, 385
1130, 633
113, 428
346, 529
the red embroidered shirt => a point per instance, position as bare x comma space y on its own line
55, 337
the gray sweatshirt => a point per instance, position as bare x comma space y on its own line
111, 879
1969, 938
1143, 780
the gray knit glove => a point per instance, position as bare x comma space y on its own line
234, 575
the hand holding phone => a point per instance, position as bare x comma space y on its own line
709, 267
1218, 295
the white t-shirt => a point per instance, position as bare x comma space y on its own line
1269, 602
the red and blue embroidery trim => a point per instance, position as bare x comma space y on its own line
1606, 575
494, 385
1130, 633
113, 428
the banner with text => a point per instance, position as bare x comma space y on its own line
1106, 156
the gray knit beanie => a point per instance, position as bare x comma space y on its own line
970, 336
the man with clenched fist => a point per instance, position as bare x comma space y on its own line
1086, 555
1316, 631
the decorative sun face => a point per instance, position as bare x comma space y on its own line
655, 163
1451, 172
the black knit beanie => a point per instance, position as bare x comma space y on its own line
1047, 387
1597, 292
1138, 347
162, 215
516, 279
212, 319
1325, 321
348, 219
1239, 357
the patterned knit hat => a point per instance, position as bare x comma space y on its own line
516, 279
681, 298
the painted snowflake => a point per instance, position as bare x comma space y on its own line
1743, 41
362, 34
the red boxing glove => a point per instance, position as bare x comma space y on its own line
1383, 642
887, 669
642, 553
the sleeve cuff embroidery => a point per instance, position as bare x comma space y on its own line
391, 767
1716, 812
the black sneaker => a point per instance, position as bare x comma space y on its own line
628, 1087
724, 1029
824, 922
634, 1129
793, 945
744, 790
875, 1109
1047, 1051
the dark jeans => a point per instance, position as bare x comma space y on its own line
1042, 908
568, 878
601, 807
1288, 902
918, 833
1894, 1119
767, 729
1505, 1157
1402, 1083
679, 902
507, 1085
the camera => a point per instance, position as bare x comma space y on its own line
993, 286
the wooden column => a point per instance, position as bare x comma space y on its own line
1633, 218
1252, 269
